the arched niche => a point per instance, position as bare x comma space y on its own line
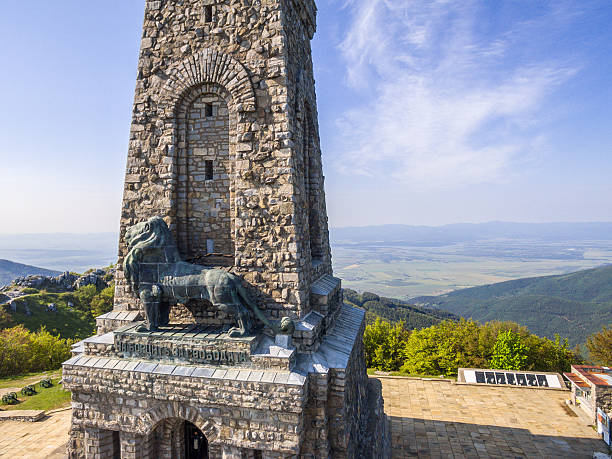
202, 182
205, 187
312, 186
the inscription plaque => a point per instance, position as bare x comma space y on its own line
206, 355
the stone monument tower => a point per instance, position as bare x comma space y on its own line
229, 337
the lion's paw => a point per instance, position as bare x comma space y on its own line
235, 332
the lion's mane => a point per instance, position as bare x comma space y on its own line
142, 239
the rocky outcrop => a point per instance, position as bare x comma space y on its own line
66, 282
98, 277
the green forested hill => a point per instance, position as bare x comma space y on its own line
573, 305
394, 310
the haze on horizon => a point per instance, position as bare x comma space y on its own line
430, 112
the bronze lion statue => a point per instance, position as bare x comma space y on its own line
156, 273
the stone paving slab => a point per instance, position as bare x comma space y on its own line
435, 419
44, 439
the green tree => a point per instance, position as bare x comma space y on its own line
47, 351
84, 295
450, 345
103, 301
600, 346
22, 351
509, 352
14, 343
384, 345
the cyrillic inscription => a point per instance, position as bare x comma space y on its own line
211, 356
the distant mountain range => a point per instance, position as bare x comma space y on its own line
432, 236
9, 271
573, 305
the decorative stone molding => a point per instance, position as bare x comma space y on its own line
208, 66
151, 419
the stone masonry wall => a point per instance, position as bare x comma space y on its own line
255, 52
604, 399
345, 418
243, 414
316, 441
299, 18
347, 403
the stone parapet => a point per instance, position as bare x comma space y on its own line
22, 415
189, 345
115, 319
308, 331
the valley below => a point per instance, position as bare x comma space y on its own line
401, 270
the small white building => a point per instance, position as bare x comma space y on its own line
591, 388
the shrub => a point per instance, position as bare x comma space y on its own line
84, 295
450, 345
10, 399
46, 383
384, 345
103, 301
28, 390
22, 351
47, 351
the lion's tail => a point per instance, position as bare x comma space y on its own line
244, 295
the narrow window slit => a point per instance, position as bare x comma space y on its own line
209, 110
208, 13
208, 166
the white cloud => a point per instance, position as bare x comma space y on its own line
442, 103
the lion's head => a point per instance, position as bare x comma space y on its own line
287, 326
152, 234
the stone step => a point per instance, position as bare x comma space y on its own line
22, 415
324, 293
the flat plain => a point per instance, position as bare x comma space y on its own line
403, 271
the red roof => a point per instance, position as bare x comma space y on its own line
590, 372
575, 379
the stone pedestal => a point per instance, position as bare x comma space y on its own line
136, 402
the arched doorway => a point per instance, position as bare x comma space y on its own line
176, 438
196, 445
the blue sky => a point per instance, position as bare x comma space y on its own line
430, 112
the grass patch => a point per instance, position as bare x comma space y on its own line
45, 399
67, 322
28, 378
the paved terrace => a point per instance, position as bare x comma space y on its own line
428, 419
435, 418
